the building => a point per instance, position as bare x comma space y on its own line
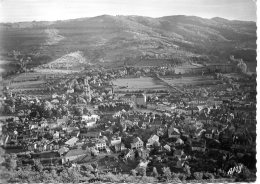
209, 134
115, 140
100, 145
173, 133
71, 142
178, 153
143, 153
198, 145
128, 98
119, 147
91, 134
140, 99
137, 143
93, 117
223, 68
130, 154
152, 140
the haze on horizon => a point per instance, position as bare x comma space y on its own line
51, 10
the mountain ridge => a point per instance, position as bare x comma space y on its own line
133, 39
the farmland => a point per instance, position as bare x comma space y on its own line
142, 83
191, 80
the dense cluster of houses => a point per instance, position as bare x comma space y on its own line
193, 121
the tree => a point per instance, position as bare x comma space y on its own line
22, 60
88, 168
38, 165
155, 173
187, 170
208, 175
10, 161
242, 66
167, 173
198, 175
133, 172
142, 171
245, 174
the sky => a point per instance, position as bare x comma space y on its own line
49, 10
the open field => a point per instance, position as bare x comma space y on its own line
27, 84
55, 71
141, 83
195, 80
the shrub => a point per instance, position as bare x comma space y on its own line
198, 175
182, 176
208, 175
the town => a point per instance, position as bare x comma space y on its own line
131, 124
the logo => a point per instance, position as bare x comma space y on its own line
236, 169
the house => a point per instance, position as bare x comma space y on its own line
71, 142
100, 145
215, 134
43, 123
70, 91
180, 110
92, 117
31, 146
140, 99
119, 147
143, 153
173, 133
160, 131
198, 133
137, 143
63, 150
179, 141
198, 145
91, 145
47, 156
56, 135
89, 121
72, 155
152, 140
61, 121
130, 154
208, 134
55, 145
115, 140
167, 147
90, 134
179, 163
108, 150
128, 98
178, 153
199, 124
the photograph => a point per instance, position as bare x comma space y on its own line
120, 91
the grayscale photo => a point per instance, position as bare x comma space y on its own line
120, 91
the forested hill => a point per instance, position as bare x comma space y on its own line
133, 39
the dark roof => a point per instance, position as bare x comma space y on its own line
137, 139
198, 144
93, 133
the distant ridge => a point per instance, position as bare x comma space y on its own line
134, 39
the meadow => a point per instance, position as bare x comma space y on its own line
193, 80
141, 83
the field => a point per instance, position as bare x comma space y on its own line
141, 83
194, 80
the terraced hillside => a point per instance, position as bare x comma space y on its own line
133, 39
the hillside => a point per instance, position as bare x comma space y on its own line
133, 39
